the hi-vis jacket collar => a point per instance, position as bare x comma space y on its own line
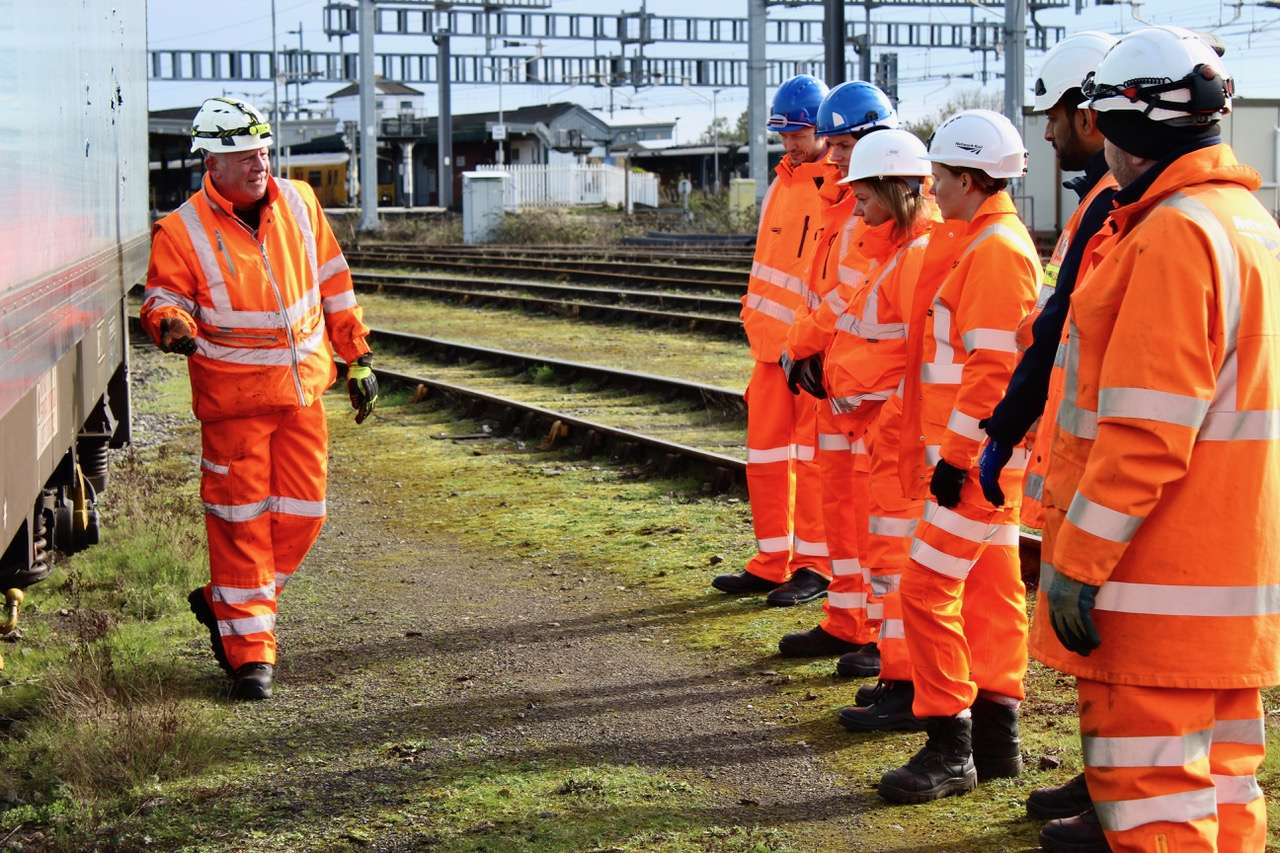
220, 203
1216, 163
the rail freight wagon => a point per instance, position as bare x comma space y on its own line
73, 238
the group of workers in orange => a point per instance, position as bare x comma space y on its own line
922, 386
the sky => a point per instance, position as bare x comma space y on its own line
928, 79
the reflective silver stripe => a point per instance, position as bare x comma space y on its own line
1073, 419
845, 405
860, 328
999, 228
933, 373
833, 441
1151, 405
1018, 460
214, 467
778, 278
836, 303
1033, 487
847, 600
892, 629
979, 532
1101, 521
885, 584
810, 549
944, 564
331, 267
875, 610
246, 626
850, 276
965, 425
1252, 731
802, 452
812, 299
1060, 356
859, 447
190, 219
281, 580
768, 307
300, 215
236, 595
297, 506
887, 525
239, 512
236, 319
1236, 790
996, 340
944, 352
265, 356
155, 296
343, 301
774, 544
847, 567
932, 454
1154, 599
1150, 751
1123, 815
765, 456
1257, 425
1042, 298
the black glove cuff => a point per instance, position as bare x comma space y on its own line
365, 360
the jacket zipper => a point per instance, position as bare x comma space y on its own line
222, 247
803, 236
288, 327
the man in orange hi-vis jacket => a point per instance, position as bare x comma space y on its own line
962, 596
1160, 587
247, 281
783, 482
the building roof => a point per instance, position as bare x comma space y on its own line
386, 87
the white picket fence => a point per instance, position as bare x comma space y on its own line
533, 185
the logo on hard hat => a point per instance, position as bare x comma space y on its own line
836, 118
971, 147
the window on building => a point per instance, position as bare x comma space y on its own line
406, 106
315, 179
377, 102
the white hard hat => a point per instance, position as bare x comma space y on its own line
1165, 73
1066, 66
888, 153
226, 125
979, 139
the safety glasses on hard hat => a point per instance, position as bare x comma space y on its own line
1209, 91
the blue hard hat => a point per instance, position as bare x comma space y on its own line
855, 107
795, 104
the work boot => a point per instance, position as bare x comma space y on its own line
869, 694
253, 681
997, 750
890, 712
864, 663
814, 643
743, 583
805, 585
943, 768
1067, 800
1079, 834
204, 615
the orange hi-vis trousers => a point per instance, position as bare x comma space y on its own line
263, 487
1172, 769
842, 461
783, 480
891, 524
964, 604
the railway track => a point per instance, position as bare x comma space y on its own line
711, 255
560, 300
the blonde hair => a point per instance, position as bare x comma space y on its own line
902, 200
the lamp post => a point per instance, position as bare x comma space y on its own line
715, 127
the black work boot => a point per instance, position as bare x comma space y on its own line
890, 712
204, 615
943, 768
869, 694
742, 583
997, 750
805, 585
1066, 800
864, 663
814, 643
1079, 834
253, 681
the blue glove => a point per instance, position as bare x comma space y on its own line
1071, 614
992, 461
946, 483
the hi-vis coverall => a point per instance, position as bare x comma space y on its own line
841, 456
781, 472
267, 309
1162, 490
963, 600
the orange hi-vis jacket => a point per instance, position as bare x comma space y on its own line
979, 279
814, 329
1040, 439
268, 308
1164, 479
789, 233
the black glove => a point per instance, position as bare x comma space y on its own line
362, 386
791, 370
946, 483
175, 336
809, 376
1071, 614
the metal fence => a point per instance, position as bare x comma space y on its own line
533, 185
